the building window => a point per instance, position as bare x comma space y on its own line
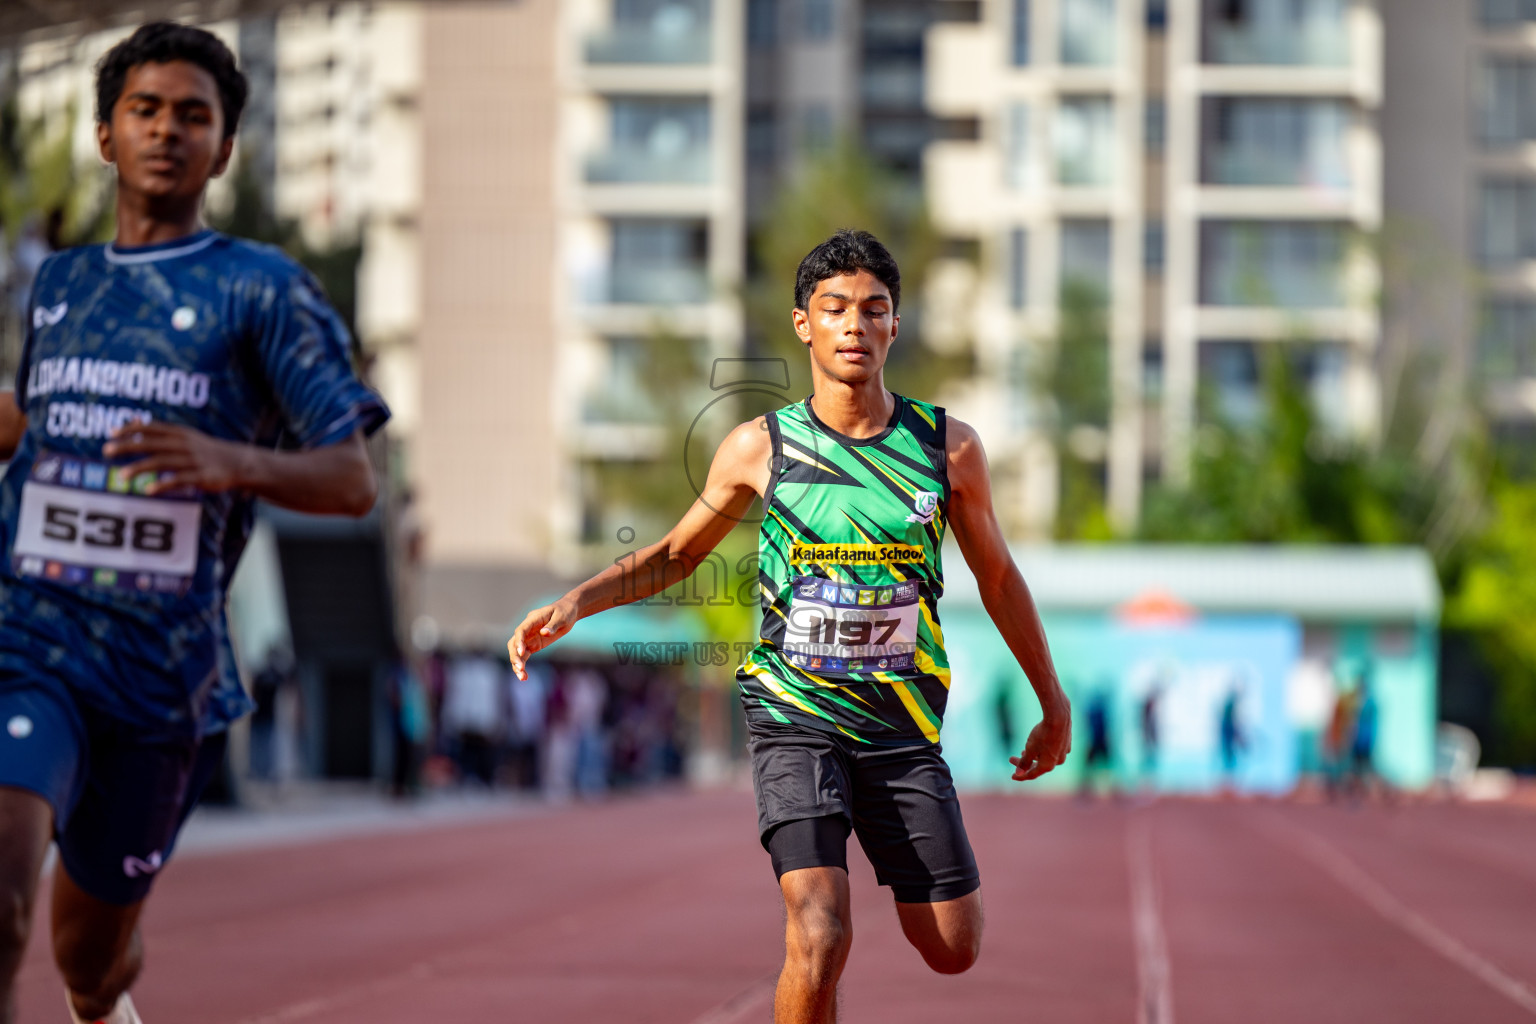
654, 139
653, 32
1088, 32
1232, 373
1506, 341
1157, 14
1506, 222
1285, 264
1250, 140
1508, 101
1152, 247
1152, 369
1018, 169
658, 261
1085, 140
1299, 33
818, 20
1499, 13
1085, 254
762, 135
762, 23
816, 127
1020, 36
1018, 268
1154, 129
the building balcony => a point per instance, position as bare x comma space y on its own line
1278, 287
634, 165
1255, 166
1321, 47
626, 44
655, 286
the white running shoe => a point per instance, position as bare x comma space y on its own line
122, 1013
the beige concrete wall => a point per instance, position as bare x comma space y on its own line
484, 458
1429, 133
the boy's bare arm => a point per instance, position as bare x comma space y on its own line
738, 474
1007, 599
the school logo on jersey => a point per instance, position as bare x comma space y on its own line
45, 316
134, 867
927, 505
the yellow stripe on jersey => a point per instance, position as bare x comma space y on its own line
926, 724
924, 661
893, 477
923, 413
778, 690
809, 460
819, 681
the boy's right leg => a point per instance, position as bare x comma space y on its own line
818, 932
26, 828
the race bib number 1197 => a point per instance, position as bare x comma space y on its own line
82, 523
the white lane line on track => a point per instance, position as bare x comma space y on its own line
1350, 875
748, 1000
1154, 990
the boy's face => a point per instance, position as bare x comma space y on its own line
848, 324
166, 133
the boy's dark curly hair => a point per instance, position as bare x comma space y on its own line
848, 251
161, 42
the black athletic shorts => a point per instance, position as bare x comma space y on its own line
813, 787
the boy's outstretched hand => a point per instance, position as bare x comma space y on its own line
542, 627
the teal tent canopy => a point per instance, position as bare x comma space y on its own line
602, 635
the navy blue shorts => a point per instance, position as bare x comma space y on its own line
118, 800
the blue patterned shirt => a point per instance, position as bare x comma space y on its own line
117, 594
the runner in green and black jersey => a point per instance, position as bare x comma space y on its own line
845, 690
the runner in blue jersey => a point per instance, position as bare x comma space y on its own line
168, 380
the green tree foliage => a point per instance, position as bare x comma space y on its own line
1071, 383
844, 188
1494, 598
40, 177
1285, 479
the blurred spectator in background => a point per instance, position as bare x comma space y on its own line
1362, 778
1339, 741
1150, 705
31, 249
1099, 760
410, 727
559, 769
1310, 697
472, 715
267, 691
587, 694
1231, 737
527, 719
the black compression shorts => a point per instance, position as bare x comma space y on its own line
814, 787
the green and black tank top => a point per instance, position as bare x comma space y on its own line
850, 578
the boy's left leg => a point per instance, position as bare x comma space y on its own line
97, 947
907, 817
947, 934
121, 834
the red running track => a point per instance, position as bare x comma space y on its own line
664, 909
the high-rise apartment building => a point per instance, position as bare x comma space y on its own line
1212, 167
819, 72
581, 202
1459, 125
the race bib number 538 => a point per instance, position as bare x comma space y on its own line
80, 523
